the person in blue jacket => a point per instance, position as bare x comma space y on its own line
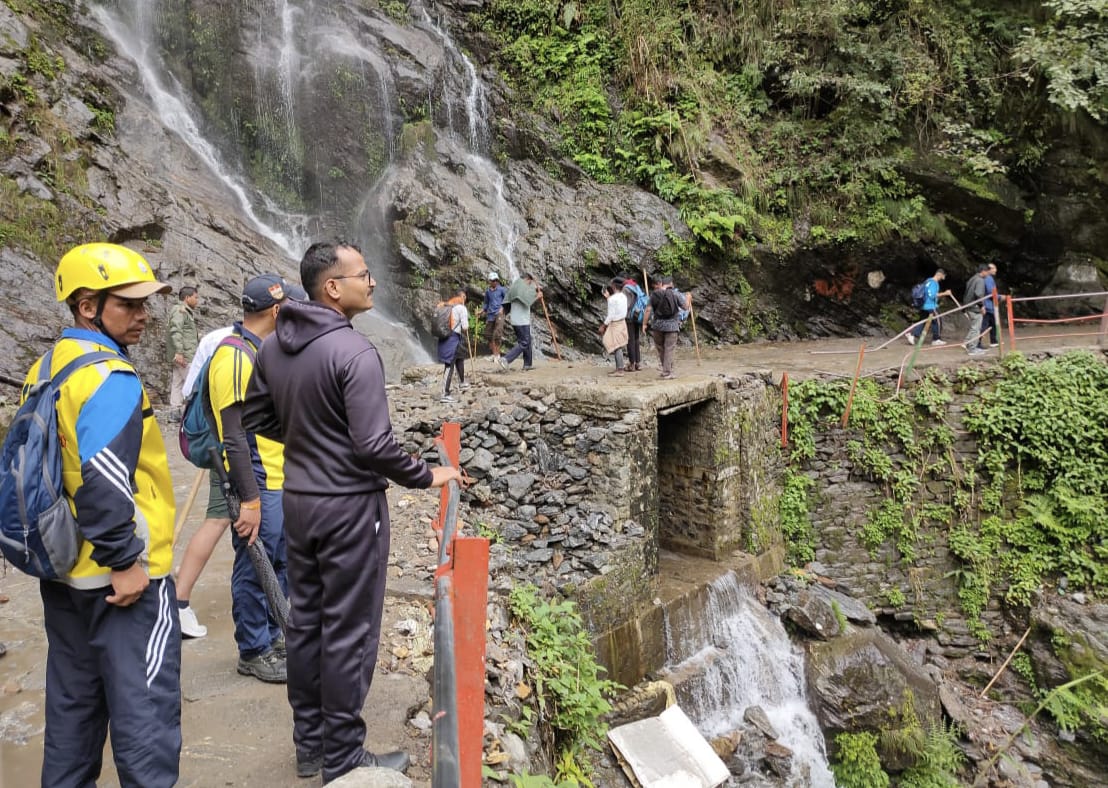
930, 309
493, 311
988, 325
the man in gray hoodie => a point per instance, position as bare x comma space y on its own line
319, 388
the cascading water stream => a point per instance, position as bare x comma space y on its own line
282, 59
130, 30
505, 221
741, 656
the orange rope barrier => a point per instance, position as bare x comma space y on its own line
854, 383
1058, 319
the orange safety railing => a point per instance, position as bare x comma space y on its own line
461, 595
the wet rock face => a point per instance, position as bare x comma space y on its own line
864, 680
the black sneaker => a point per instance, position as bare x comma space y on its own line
397, 761
309, 765
267, 667
279, 648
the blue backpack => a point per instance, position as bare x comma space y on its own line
919, 294
38, 533
197, 435
641, 300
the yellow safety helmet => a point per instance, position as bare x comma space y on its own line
102, 266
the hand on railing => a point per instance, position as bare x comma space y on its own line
443, 474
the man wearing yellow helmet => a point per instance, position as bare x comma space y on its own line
114, 638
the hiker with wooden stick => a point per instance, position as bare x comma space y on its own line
454, 315
662, 317
523, 293
685, 313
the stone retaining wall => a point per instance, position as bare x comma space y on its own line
580, 483
839, 504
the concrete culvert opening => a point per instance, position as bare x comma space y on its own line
691, 478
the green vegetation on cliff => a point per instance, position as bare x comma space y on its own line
1023, 512
792, 122
1029, 510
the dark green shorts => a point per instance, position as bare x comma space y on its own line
217, 504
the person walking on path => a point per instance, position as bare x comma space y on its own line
613, 331
662, 315
636, 305
319, 388
255, 466
114, 653
522, 295
989, 336
180, 343
452, 352
930, 308
217, 517
975, 313
492, 310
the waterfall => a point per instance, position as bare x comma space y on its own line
130, 31
283, 54
505, 220
741, 656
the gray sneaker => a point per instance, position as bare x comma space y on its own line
267, 667
309, 764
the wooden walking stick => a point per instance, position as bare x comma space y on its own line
200, 474
550, 325
696, 341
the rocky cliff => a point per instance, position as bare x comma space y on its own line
219, 138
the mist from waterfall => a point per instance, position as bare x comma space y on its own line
130, 29
741, 656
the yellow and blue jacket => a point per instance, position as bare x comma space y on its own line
228, 374
114, 466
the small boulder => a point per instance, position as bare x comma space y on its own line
815, 615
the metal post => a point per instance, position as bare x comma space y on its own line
461, 595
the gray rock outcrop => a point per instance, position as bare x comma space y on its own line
864, 680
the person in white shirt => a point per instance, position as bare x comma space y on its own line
452, 353
613, 331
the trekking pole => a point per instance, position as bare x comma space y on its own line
183, 515
550, 325
278, 602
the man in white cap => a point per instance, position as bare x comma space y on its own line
493, 312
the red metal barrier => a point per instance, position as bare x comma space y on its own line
461, 596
